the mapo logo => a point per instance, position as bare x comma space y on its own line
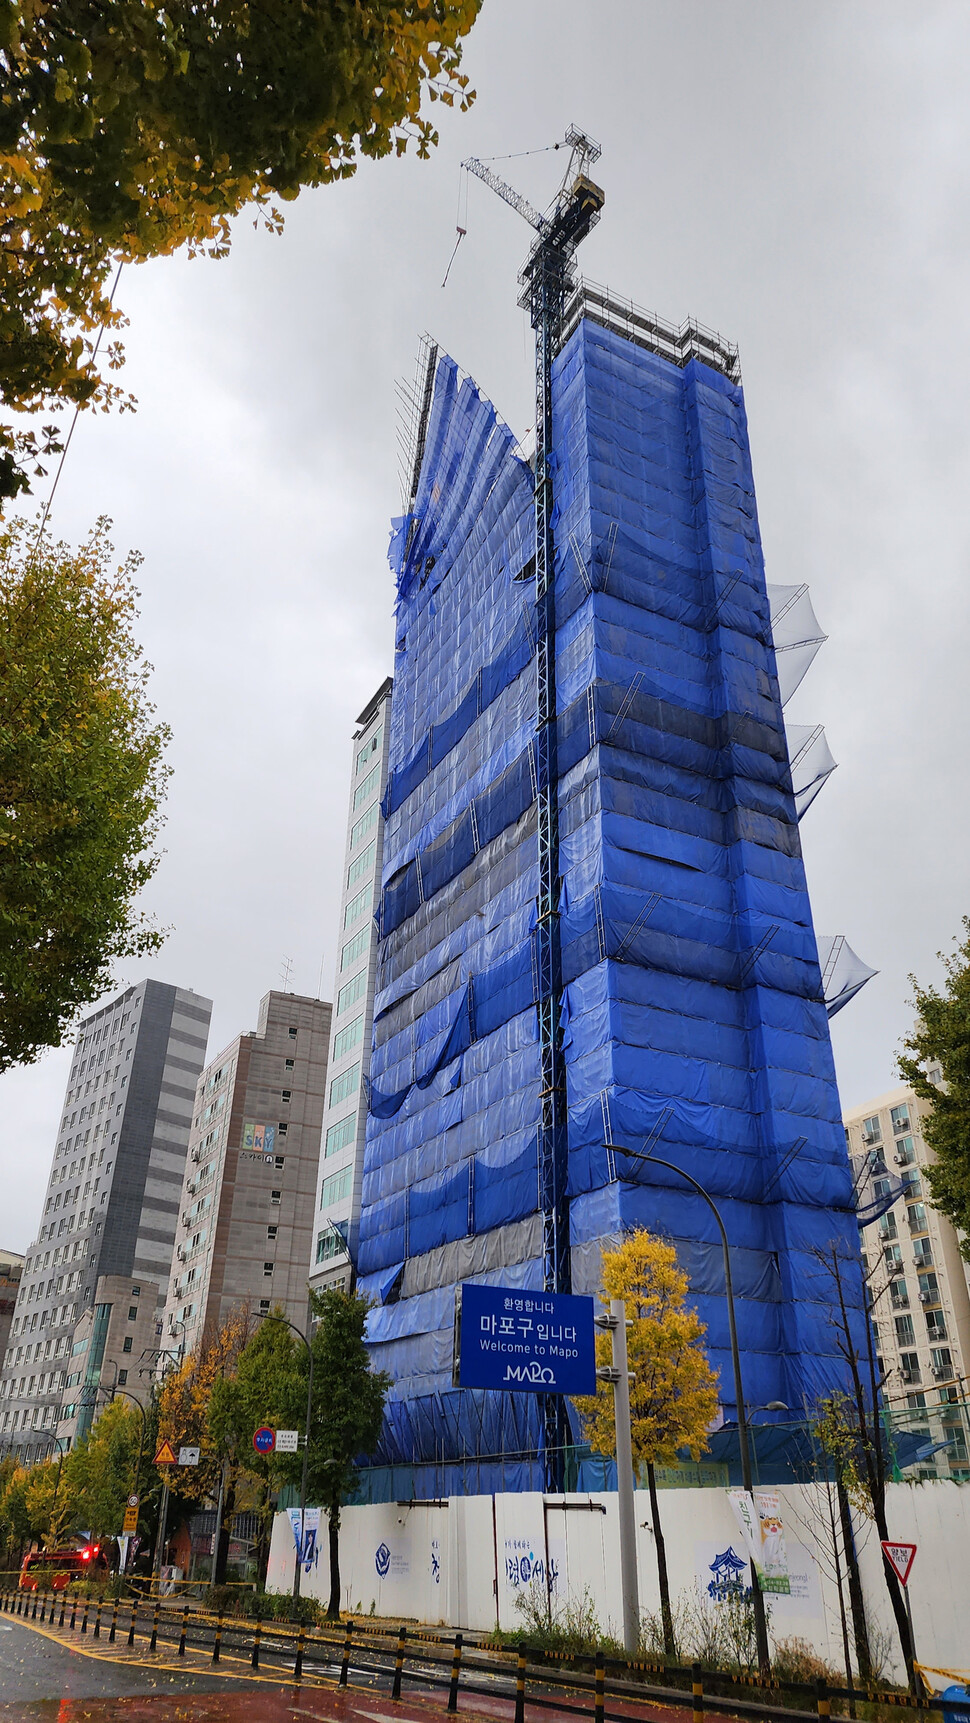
382, 1560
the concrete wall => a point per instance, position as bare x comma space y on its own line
465, 1562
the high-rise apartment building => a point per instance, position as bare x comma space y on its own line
11, 1270
345, 1115
917, 1274
246, 1215
111, 1206
657, 981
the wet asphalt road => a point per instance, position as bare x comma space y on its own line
33, 1668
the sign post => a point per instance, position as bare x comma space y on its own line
165, 1459
618, 1374
901, 1558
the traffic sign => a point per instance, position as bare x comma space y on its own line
131, 1518
537, 1342
165, 1455
189, 1456
133, 1501
287, 1441
900, 1558
264, 1440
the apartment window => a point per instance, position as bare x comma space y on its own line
911, 1184
345, 1085
340, 1135
923, 1253
336, 1187
900, 1118
127, 1345
289, 1064
881, 1187
267, 1268
368, 751
899, 1294
355, 948
132, 1313
329, 1245
903, 1152
935, 1325
272, 1231
276, 1197
362, 864
887, 1226
264, 1307
292, 1034
916, 1215
905, 1332
347, 1038
368, 787
122, 1378
909, 1363
136, 1292
916, 1402
279, 1163
349, 994
365, 824
941, 1361
357, 905
935, 1074
285, 1096
929, 1289
282, 1128
872, 1130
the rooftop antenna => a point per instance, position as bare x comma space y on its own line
286, 970
548, 274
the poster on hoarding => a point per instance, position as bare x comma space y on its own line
759, 1519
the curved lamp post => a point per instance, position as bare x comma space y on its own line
757, 1598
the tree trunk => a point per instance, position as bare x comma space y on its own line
333, 1523
670, 1649
896, 1595
857, 1602
222, 1535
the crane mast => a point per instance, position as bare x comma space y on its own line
548, 274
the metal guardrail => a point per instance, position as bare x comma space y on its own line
421, 1657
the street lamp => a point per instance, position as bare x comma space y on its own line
757, 1599
271, 1317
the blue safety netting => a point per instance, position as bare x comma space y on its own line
693, 1008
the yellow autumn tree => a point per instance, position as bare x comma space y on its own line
183, 1404
673, 1394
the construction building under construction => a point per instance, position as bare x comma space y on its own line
662, 977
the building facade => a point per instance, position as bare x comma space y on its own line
917, 1273
691, 1013
115, 1349
345, 1115
112, 1201
246, 1214
11, 1270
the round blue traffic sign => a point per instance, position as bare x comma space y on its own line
264, 1440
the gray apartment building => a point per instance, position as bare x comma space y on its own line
111, 1208
345, 1117
11, 1272
246, 1209
917, 1277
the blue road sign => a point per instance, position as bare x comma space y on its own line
264, 1439
537, 1342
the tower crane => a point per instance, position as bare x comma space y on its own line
548, 274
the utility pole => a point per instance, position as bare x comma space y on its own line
162, 1523
618, 1374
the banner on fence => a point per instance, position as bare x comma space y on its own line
310, 1553
759, 1518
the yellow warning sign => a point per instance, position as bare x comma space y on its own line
131, 1522
166, 1455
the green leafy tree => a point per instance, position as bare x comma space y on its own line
99, 1473
81, 783
942, 1037
673, 1395
15, 1518
348, 1405
263, 1388
128, 130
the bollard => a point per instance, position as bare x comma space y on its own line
697, 1689
217, 1642
600, 1684
455, 1675
73, 1611
43, 1606
131, 1624
153, 1642
823, 1703
298, 1666
84, 1618
185, 1618
254, 1660
520, 1687
399, 1664
114, 1622
36, 1602
60, 1619
97, 1618
345, 1664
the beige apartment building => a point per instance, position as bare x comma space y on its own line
246, 1212
918, 1278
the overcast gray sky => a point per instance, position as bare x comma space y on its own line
794, 175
